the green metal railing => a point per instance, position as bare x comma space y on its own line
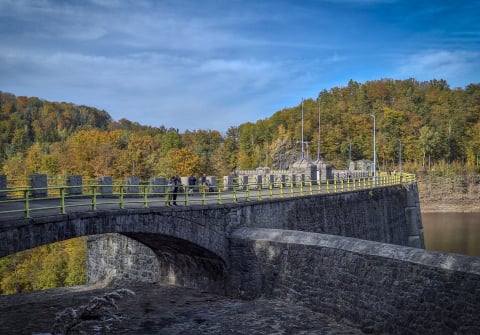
63, 199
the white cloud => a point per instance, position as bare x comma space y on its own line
191, 64
441, 64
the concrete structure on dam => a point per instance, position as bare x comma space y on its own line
354, 255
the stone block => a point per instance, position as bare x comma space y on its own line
213, 181
271, 180
133, 185
3, 186
227, 183
75, 185
258, 181
157, 185
39, 184
293, 179
243, 182
105, 185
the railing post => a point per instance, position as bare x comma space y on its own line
204, 197
166, 194
26, 194
258, 182
281, 189
234, 196
62, 201
145, 198
121, 197
94, 198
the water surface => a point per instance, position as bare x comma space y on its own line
452, 232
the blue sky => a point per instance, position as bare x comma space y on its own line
213, 64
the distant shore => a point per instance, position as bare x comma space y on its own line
459, 194
449, 205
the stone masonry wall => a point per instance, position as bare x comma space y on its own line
110, 257
119, 258
386, 214
384, 288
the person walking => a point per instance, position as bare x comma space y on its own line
191, 183
176, 184
171, 191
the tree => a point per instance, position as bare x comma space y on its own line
473, 147
182, 162
429, 141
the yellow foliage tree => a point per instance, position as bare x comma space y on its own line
182, 162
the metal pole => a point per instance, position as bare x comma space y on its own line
349, 155
400, 158
318, 142
302, 132
374, 151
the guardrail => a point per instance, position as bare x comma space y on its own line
62, 199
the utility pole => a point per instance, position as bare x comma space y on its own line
318, 142
303, 155
349, 154
400, 158
374, 150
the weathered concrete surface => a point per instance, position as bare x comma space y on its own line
167, 310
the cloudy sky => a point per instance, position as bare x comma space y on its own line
212, 64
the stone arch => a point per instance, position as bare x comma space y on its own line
198, 226
147, 257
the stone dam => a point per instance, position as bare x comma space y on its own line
356, 256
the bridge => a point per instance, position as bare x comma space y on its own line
351, 249
25, 210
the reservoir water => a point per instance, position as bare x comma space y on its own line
452, 232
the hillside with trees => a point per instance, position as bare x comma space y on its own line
434, 124
437, 128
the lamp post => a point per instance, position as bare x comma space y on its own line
349, 155
318, 141
303, 155
374, 150
400, 158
